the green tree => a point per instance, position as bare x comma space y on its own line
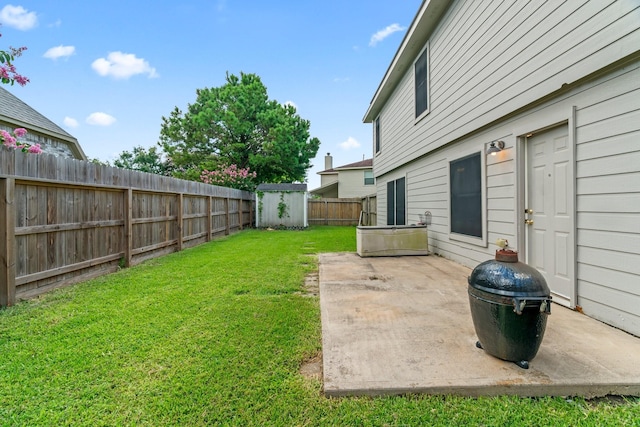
237, 124
143, 160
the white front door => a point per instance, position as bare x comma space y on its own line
549, 211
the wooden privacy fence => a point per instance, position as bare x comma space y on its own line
334, 211
369, 215
354, 211
64, 221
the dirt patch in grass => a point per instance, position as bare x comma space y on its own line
312, 285
312, 367
612, 400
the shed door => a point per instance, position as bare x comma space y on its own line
549, 211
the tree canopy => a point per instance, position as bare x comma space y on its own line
237, 124
143, 160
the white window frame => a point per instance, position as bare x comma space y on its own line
395, 197
478, 241
377, 143
419, 116
371, 177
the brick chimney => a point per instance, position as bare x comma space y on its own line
328, 162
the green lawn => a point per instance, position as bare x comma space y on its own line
216, 335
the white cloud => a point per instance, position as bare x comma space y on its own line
384, 33
70, 122
100, 119
350, 143
59, 52
18, 17
122, 66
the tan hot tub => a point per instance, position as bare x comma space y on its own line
392, 240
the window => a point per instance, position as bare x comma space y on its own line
368, 178
421, 75
376, 134
465, 181
396, 202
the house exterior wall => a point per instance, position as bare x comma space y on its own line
608, 201
489, 59
326, 179
351, 184
603, 119
48, 144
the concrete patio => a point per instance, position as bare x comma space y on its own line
398, 325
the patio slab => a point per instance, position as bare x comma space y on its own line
396, 325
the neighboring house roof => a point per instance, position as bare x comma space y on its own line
16, 112
282, 187
421, 28
362, 164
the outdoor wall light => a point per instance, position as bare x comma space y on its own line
495, 147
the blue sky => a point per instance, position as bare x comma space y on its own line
107, 71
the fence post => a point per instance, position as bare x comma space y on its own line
209, 219
251, 213
128, 226
240, 218
326, 213
179, 220
226, 213
368, 210
7, 242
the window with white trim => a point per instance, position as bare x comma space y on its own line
421, 76
465, 186
376, 134
368, 178
396, 202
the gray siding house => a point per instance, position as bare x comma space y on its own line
552, 90
352, 180
14, 113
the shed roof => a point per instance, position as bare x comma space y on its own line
282, 187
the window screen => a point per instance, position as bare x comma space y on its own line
421, 69
368, 178
466, 195
377, 134
396, 202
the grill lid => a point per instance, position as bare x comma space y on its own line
508, 278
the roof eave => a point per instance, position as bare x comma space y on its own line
73, 142
325, 188
414, 40
355, 168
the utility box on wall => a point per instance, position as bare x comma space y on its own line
281, 205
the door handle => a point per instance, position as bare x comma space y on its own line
528, 211
528, 221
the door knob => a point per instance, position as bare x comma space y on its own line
528, 221
528, 211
